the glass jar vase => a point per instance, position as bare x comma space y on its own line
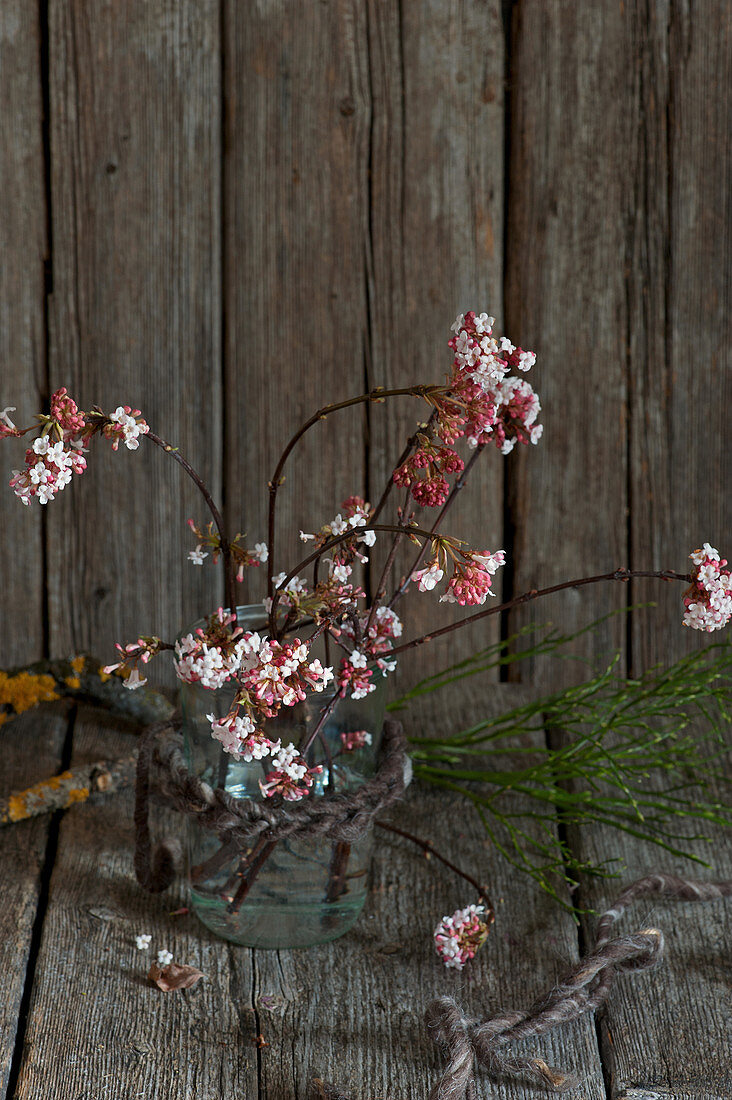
306, 891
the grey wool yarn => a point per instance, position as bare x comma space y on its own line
340, 817
468, 1042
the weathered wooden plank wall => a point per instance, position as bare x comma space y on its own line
254, 209
135, 311
23, 252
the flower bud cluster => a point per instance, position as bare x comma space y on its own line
432, 489
708, 600
471, 579
459, 937
133, 655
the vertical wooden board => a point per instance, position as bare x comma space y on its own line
680, 294
121, 1036
30, 750
352, 1012
667, 1032
296, 149
434, 248
22, 339
573, 112
135, 153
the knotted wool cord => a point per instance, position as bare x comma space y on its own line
340, 817
582, 990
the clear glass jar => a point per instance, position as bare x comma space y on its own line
306, 891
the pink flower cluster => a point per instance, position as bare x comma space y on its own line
471, 580
458, 937
354, 676
269, 674
291, 777
708, 600
376, 641
240, 737
485, 404
436, 460
355, 739
58, 452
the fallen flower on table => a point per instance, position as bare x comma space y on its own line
460, 936
143, 941
173, 976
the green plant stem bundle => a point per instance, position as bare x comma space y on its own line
629, 754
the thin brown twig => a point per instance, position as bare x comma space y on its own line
458, 485
621, 574
229, 581
429, 849
376, 395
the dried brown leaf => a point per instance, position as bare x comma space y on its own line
173, 976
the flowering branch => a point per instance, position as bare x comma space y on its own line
376, 395
229, 588
459, 484
429, 850
621, 574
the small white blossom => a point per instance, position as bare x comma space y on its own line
143, 941
261, 551
6, 419
134, 680
164, 957
197, 555
358, 659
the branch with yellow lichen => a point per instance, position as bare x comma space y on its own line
64, 790
80, 678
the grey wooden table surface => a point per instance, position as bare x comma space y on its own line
79, 1020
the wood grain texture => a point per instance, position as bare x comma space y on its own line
668, 1031
136, 314
296, 161
30, 750
680, 300
433, 249
120, 1036
352, 1012
573, 110
23, 248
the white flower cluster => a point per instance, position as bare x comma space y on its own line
51, 473
709, 607
199, 663
289, 761
481, 356
458, 937
239, 737
130, 429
